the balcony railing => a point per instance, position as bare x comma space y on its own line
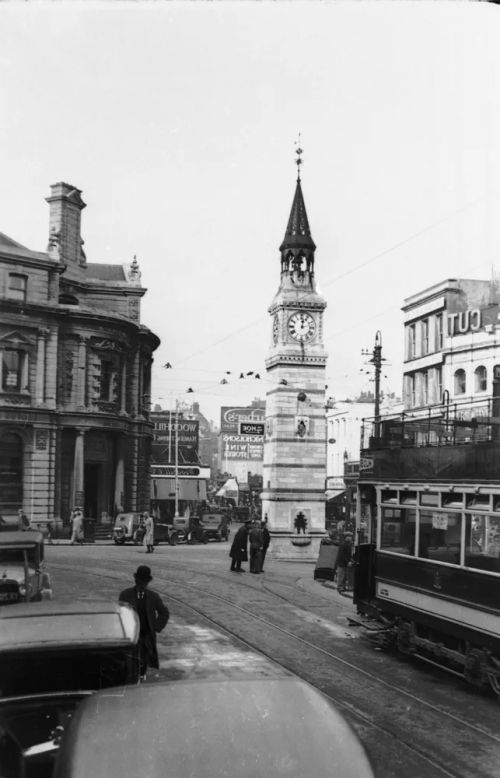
448, 424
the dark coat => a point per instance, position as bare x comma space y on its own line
266, 538
344, 555
238, 550
256, 538
157, 615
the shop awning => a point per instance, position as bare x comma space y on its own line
189, 489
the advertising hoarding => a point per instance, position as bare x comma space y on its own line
239, 443
165, 427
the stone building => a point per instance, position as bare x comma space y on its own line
75, 373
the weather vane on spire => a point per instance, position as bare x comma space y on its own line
299, 153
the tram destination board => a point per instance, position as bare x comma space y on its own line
251, 428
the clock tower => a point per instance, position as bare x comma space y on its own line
294, 469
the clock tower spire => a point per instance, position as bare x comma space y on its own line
294, 467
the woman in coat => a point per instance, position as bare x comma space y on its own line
238, 551
149, 526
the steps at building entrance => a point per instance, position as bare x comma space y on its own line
103, 532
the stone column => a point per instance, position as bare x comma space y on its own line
40, 367
136, 382
81, 375
51, 346
119, 498
78, 470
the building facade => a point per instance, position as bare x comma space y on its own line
344, 421
75, 375
451, 342
293, 497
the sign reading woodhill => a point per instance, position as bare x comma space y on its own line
242, 435
165, 428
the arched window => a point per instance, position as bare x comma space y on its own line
480, 379
68, 299
460, 382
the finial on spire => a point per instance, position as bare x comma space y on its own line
299, 153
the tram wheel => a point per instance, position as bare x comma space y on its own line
475, 667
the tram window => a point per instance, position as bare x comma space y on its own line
429, 498
453, 500
389, 495
482, 542
408, 498
439, 536
480, 502
398, 530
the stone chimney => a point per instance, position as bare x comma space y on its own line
66, 206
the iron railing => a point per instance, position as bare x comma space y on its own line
448, 424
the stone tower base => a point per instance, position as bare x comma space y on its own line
296, 548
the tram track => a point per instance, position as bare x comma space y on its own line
359, 712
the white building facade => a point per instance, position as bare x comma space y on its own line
452, 343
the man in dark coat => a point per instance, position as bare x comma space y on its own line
238, 551
344, 557
153, 616
256, 540
266, 539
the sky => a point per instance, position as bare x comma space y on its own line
178, 121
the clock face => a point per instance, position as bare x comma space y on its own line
276, 328
301, 327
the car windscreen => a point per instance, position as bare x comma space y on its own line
33, 672
15, 556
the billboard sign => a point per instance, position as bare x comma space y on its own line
242, 434
166, 427
251, 428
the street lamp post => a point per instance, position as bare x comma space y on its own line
176, 454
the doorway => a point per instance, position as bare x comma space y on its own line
91, 487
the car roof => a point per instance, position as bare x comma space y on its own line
265, 728
26, 538
52, 625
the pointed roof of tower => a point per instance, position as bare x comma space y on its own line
298, 234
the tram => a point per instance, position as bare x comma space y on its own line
427, 569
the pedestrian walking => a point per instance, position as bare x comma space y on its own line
266, 539
23, 523
149, 534
344, 558
76, 526
256, 541
153, 617
238, 551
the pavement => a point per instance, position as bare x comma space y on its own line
327, 590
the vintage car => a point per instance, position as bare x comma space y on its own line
262, 728
52, 656
188, 530
22, 573
128, 529
215, 526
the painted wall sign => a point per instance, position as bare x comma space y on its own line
464, 321
249, 428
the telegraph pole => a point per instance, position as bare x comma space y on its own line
376, 360
176, 453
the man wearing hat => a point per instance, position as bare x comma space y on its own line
153, 616
238, 551
344, 557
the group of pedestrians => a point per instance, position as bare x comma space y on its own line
253, 534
